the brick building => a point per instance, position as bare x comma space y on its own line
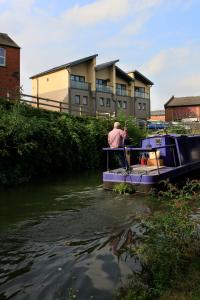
179, 108
157, 115
9, 65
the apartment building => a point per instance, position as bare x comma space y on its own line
85, 88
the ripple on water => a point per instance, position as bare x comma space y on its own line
78, 246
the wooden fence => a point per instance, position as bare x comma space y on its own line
52, 105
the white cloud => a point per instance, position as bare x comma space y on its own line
175, 72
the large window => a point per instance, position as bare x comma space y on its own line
120, 86
139, 89
101, 81
121, 89
144, 106
78, 78
2, 57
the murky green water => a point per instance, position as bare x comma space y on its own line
65, 236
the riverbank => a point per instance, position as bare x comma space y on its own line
38, 143
168, 248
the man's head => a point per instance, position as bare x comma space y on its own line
117, 125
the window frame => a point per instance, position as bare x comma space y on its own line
3, 57
124, 104
101, 103
139, 89
75, 98
139, 106
121, 86
77, 78
119, 104
86, 102
108, 102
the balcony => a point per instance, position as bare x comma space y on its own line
142, 95
121, 92
80, 85
104, 88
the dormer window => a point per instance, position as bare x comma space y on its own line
2, 57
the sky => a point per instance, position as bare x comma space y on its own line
159, 38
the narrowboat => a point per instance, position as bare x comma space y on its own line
159, 157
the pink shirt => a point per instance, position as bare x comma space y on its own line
115, 137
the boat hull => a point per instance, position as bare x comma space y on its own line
145, 182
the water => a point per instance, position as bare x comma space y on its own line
64, 238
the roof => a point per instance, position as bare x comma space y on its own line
73, 63
183, 101
124, 75
157, 113
139, 76
106, 65
5, 40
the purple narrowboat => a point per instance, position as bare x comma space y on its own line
160, 157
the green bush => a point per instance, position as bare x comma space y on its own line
169, 245
36, 143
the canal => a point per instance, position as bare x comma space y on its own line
62, 239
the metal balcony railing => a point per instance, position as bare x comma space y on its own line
80, 85
120, 92
142, 95
104, 88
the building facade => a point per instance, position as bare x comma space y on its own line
158, 115
9, 65
179, 108
86, 88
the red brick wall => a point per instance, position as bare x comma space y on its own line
157, 118
177, 113
10, 74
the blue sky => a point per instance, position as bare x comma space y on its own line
158, 37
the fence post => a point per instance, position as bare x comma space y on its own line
60, 106
38, 102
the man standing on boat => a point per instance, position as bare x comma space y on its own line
116, 139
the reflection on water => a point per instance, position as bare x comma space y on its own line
66, 234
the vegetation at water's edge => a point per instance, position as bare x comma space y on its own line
36, 143
168, 249
124, 188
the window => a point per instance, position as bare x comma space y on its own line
77, 99
108, 102
139, 106
144, 106
78, 78
101, 81
121, 89
85, 100
121, 86
2, 57
119, 104
124, 105
139, 89
101, 101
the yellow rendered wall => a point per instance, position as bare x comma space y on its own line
81, 70
50, 82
